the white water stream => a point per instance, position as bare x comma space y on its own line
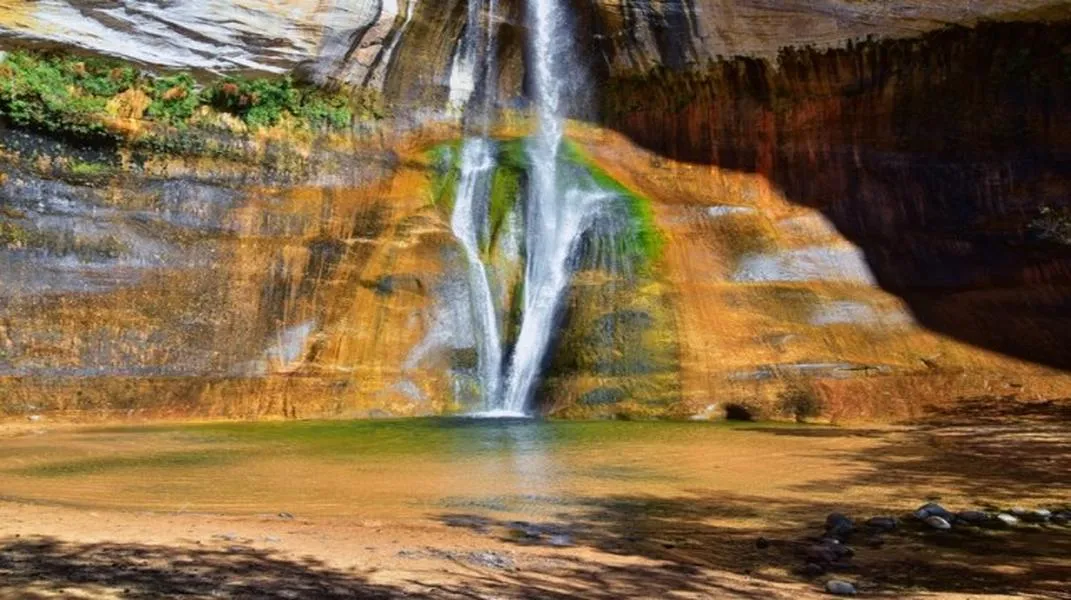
557, 212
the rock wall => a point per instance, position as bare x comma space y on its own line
846, 230
406, 46
933, 155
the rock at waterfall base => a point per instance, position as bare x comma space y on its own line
840, 588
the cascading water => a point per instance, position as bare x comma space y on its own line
477, 168
473, 191
557, 214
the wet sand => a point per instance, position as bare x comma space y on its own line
670, 511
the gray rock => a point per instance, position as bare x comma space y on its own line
938, 523
490, 559
1038, 516
822, 555
840, 588
842, 551
972, 517
1060, 518
1019, 511
812, 570
835, 518
839, 526
561, 540
526, 530
882, 523
1008, 520
932, 509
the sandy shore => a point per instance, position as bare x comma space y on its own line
51, 552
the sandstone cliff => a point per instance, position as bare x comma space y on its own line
848, 221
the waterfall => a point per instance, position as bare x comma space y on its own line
473, 193
558, 212
477, 169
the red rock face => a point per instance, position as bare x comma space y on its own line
932, 154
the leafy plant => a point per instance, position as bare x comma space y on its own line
1053, 224
70, 96
59, 95
264, 102
174, 99
800, 402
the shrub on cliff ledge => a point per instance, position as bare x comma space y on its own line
77, 97
174, 99
63, 96
800, 402
264, 102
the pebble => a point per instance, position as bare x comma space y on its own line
972, 517
34, 418
882, 523
1060, 518
490, 559
813, 570
762, 543
561, 540
1019, 511
932, 509
822, 555
1038, 516
840, 588
526, 530
938, 523
834, 519
839, 526
841, 551
1007, 519
286, 516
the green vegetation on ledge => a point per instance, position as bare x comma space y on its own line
96, 100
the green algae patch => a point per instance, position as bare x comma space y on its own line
106, 464
506, 186
644, 242
445, 160
359, 440
647, 241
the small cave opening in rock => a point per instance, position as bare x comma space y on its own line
738, 412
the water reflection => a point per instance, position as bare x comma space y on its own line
383, 468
